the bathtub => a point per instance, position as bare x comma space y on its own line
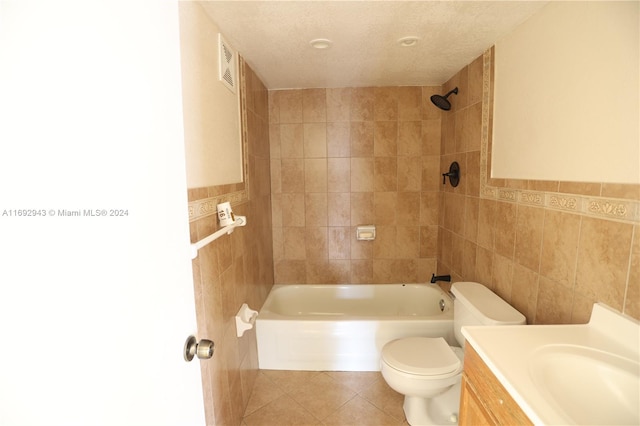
344, 327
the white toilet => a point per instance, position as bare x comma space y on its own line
427, 371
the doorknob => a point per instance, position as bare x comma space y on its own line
202, 349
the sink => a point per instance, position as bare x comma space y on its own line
587, 385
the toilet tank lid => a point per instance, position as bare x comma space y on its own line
488, 306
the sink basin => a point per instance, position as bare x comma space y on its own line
586, 385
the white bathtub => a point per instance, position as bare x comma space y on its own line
344, 327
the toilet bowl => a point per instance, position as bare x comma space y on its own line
428, 371
424, 380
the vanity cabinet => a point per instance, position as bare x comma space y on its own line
483, 400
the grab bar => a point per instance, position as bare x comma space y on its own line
240, 221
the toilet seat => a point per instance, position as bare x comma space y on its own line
424, 356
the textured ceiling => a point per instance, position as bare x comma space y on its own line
274, 36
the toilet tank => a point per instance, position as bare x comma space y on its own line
475, 304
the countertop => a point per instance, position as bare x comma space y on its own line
508, 350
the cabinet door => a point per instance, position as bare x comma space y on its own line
471, 410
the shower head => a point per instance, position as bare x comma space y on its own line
442, 102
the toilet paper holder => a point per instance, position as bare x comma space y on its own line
245, 319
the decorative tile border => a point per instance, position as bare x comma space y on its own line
600, 207
208, 206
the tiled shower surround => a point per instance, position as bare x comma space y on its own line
355, 156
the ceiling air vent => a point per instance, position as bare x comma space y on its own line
228, 63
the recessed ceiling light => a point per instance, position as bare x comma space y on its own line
320, 43
408, 41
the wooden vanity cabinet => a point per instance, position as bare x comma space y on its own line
483, 400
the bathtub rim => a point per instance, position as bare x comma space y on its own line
265, 313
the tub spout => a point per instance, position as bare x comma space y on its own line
435, 278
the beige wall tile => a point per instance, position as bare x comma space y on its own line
339, 104
581, 308
428, 241
339, 209
339, 174
603, 256
274, 141
559, 247
431, 137
502, 276
314, 106
431, 177
632, 298
471, 175
618, 190
407, 242
290, 106
469, 256
552, 299
315, 175
475, 81
429, 207
505, 228
529, 227
362, 208
408, 208
316, 209
386, 103
409, 103
362, 174
410, 138
385, 243
524, 292
290, 271
385, 174
385, 139
448, 135
339, 243
361, 134
339, 139
579, 188
409, 173
291, 140
362, 104
293, 210
361, 271
385, 206
471, 218
317, 243
294, 242
315, 140
292, 174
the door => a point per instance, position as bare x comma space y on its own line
96, 292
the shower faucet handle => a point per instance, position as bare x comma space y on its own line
450, 174
453, 174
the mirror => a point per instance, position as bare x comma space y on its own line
566, 104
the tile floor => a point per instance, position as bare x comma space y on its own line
301, 398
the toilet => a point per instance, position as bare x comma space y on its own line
428, 371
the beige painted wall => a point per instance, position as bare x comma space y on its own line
211, 111
567, 95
